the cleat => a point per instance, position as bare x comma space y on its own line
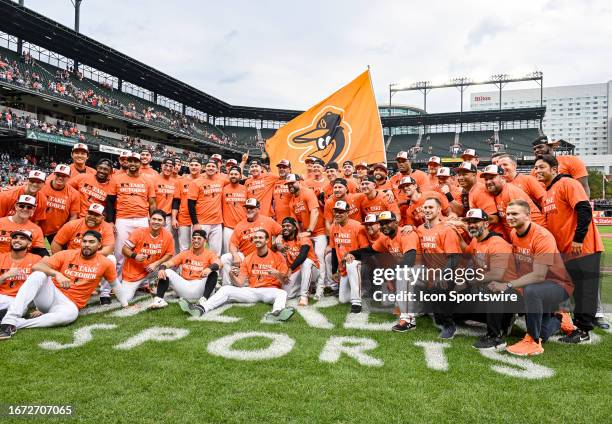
355, 309
318, 294
303, 301
489, 342
602, 323
105, 300
282, 315
567, 326
190, 308
403, 326
577, 336
7, 331
448, 332
526, 347
157, 303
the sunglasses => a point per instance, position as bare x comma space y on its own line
22, 206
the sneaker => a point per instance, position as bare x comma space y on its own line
526, 347
448, 332
7, 331
489, 342
404, 325
318, 293
303, 301
190, 308
280, 315
355, 309
602, 323
577, 336
157, 303
567, 326
105, 300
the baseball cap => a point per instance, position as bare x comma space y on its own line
363, 165
331, 165
444, 172
341, 205
96, 208
26, 233
434, 159
370, 219
309, 159
124, 154
62, 169
37, 175
217, 157
196, 159
253, 162
543, 139
406, 181
27, 200
387, 216
291, 178
135, 155
200, 233
283, 162
469, 152
168, 159
318, 161
492, 170
477, 214
251, 202
340, 181
380, 166
347, 162
466, 166
369, 178
231, 162
80, 146
402, 155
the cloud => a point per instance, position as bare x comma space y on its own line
233, 78
489, 27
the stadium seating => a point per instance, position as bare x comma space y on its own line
437, 144
400, 142
518, 142
478, 140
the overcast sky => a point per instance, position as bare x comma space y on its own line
289, 54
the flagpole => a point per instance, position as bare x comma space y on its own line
382, 134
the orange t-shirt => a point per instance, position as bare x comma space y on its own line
571, 165
511, 192
353, 202
437, 242
530, 185
7, 226
9, 198
166, 190
207, 194
141, 241
293, 250
148, 171
493, 253
193, 264
74, 172
399, 244
282, 200
479, 198
256, 268
71, 234
538, 245
561, 218
133, 194
318, 186
60, 205
11, 286
186, 186
90, 190
84, 274
242, 236
302, 205
413, 214
351, 236
234, 197
376, 205
262, 188
419, 176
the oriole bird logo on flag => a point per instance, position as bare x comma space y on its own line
344, 126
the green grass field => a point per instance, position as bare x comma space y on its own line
180, 381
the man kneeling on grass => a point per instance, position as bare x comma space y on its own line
261, 276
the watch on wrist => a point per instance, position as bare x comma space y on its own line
508, 285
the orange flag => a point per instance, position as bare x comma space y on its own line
344, 126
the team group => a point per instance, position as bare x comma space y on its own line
215, 236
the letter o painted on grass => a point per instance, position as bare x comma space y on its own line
281, 345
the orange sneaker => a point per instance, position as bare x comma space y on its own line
526, 347
567, 326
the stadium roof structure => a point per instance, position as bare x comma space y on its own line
35, 28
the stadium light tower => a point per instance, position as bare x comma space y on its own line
423, 87
77, 13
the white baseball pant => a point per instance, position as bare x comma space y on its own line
57, 309
226, 294
227, 235
184, 237
128, 288
105, 288
124, 227
188, 289
226, 261
320, 244
214, 234
350, 284
5, 301
299, 281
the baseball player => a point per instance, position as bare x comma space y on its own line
33, 187
59, 286
234, 196
24, 209
261, 187
63, 202
80, 154
145, 159
404, 168
181, 220
433, 165
93, 188
528, 183
167, 191
281, 196
373, 200
413, 213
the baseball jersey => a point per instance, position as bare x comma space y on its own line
262, 188
9, 198
493, 252
11, 286
133, 194
84, 273
530, 185
90, 191
316, 185
257, 269
7, 226
142, 242
346, 238
511, 192
166, 190
419, 176
293, 250
233, 198
71, 233
242, 237
302, 205
353, 202
561, 219
148, 171
377, 204
193, 264
206, 191
60, 205
281, 198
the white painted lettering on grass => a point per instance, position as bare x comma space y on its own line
216, 315
281, 344
434, 355
98, 309
524, 367
353, 347
311, 314
362, 322
154, 334
81, 336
